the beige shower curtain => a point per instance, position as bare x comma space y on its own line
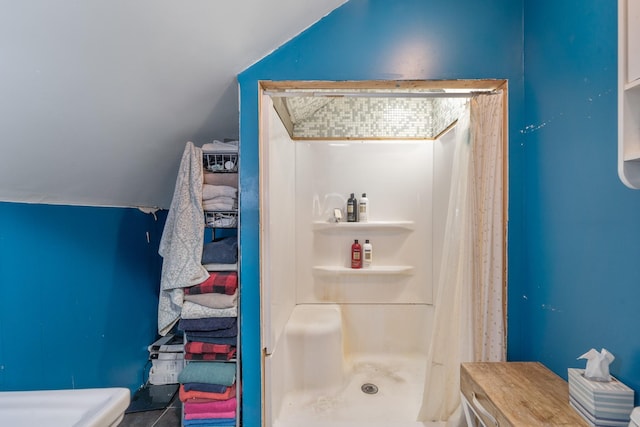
489, 171
469, 305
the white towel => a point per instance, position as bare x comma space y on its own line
214, 300
220, 204
210, 191
230, 179
219, 146
182, 240
191, 310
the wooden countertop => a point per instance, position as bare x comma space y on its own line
523, 393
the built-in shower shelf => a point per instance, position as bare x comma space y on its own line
370, 225
369, 271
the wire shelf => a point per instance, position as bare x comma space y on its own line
220, 162
221, 219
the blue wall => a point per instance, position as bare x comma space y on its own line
582, 239
79, 298
79, 285
373, 40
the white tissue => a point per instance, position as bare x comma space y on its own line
597, 365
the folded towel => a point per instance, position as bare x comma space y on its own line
212, 300
210, 324
204, 347
191, 310
210, 388
217, 334
221, 267
210, 357
210, 422
194, 394
212, 191
229, 179
233, 340
226, 200
215, 415
220, 205
220, 146
218, 282
212, 373
200, 350
213, 406
221, 251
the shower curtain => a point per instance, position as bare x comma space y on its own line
469, 305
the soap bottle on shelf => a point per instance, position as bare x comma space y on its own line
352, 209
356, 254
363, 211
367, 254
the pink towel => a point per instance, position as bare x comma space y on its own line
231, 414
211, 406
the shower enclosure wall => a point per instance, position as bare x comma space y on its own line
348, 346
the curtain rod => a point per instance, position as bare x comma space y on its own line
290, 94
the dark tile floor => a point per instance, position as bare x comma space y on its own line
169, 417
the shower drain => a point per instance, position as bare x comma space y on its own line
369, 388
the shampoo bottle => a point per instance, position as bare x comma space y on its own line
352, 209
363, 211
356, 255
367, 254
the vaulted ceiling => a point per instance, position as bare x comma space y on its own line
98, 98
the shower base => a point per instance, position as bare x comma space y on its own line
399, 380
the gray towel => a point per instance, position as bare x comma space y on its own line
214, 300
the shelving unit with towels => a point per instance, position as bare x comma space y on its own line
218, 346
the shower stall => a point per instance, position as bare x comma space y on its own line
348, 346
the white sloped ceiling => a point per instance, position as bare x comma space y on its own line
98, 98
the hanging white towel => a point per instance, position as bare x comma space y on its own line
182, 240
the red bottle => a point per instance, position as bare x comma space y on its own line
356, 255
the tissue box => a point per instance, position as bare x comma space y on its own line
635, 417
600, 403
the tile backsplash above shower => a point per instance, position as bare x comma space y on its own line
386, 118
